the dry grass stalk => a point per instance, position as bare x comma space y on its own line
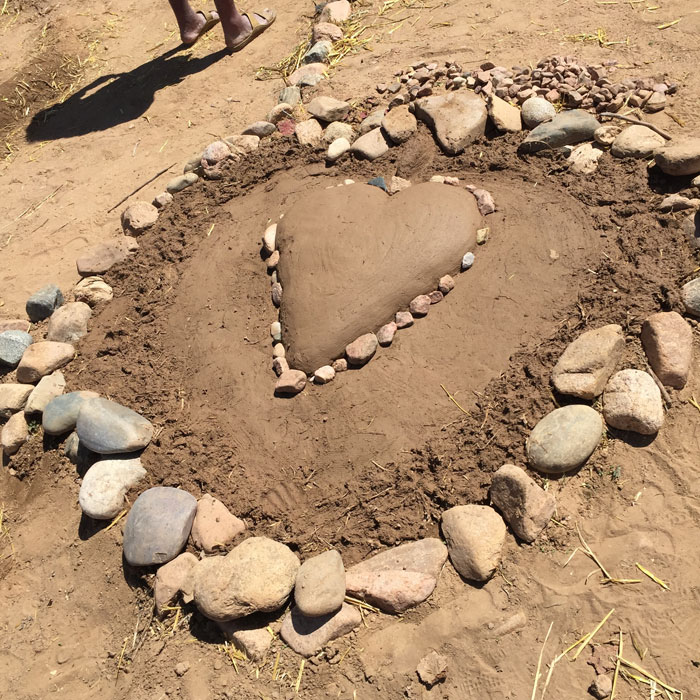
607, 578
538, 672
301, 671
361, 604
454, 400
617, 667
648, 573
648, 678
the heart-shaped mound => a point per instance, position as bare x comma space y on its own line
352, 256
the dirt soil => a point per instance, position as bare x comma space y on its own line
372, 459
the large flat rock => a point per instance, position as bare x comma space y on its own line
352, 256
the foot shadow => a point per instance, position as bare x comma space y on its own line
116, 98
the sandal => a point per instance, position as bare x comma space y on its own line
257, 28
211, 19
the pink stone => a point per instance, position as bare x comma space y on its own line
436, 296
310, 69
173, 578
286, 127
404, 319
668, 343
336, 12
446, 284
420, 305
214, 525
139, 216
340, 365
392, 591
361, 350
326, 31
102, 257
386, 334
14, 325
308, 635
215, 152
69, 323
42, 358
14, 433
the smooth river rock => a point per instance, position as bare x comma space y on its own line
69, 323
158, 525
320, 584
566, 128
105, 484
107, 427
637, 142
256, 576
564, 439
42, 358
14, 434
308, 635
48, 388
61, 414
475, 536
681, 157
361, 350
632, 401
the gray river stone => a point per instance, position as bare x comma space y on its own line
564, 439
61, 413
107, 427
12, 347
566, 128
43, 303
158, 525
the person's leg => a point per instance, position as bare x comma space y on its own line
236, 27
189, 21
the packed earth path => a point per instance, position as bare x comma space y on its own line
391, 390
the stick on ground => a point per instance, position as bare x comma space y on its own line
140, 187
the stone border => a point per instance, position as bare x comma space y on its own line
524, 505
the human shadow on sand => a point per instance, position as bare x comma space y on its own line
117, 97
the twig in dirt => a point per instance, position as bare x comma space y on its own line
121, 657
538, 673
649, 125
301, 671
657, 381
116, 520
140, 187
361, 604
592, 634
693, 402
454, 400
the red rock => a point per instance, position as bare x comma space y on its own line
286, 127
391, 591
668, 343
436, 296
214, 525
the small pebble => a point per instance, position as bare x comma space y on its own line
467, 261
404, 319
324, 374
436, 296
446, 283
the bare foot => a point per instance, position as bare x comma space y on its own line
194, 27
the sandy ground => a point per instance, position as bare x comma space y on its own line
69, 607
